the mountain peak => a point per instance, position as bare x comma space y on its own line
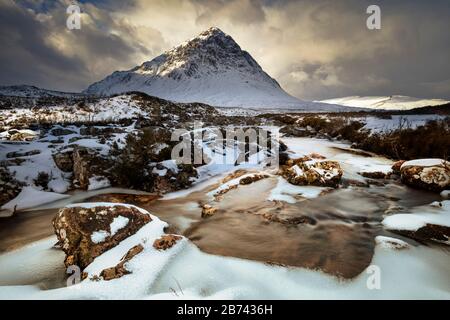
211, 32
210, 68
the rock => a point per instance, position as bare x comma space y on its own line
252, 178
21, 136
84, 232
64, 160
9, 187
208, 210
17, 154
135, 199
429, 232
391, 243
269, 217
88, 163
375, 175
62, 132
295, 131
97, 131
428, 174
119, 270
166, 241
397, 165
308, 171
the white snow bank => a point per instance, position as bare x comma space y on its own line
395, 102
431, 214
30, 197
417, 273
423, 163
390, 243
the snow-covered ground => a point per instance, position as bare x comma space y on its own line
394, 122
437, 213
185, 272
108, 109
385, 102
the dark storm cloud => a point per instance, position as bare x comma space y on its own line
316, 49
38, 49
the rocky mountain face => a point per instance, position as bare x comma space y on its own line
210, 68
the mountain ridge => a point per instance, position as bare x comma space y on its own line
210, 68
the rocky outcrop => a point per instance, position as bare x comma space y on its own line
309, 171
86, 231
428, 174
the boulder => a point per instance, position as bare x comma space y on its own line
208, 210
429, 232
428, 174
23, 135
397, 165
85, 231
9, 187
64, 160
309, 171
87, 163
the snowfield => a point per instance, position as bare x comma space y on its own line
386, 103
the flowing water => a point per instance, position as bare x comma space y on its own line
334, 232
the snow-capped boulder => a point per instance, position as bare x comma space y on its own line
429, 174
85, 231
208, 210
310, 171
22, 135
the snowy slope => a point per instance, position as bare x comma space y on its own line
385, 103
33, 92
210, 68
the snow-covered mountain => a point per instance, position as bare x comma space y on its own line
210, 68
33, 92
385, 103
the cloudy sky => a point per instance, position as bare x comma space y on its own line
316, 49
